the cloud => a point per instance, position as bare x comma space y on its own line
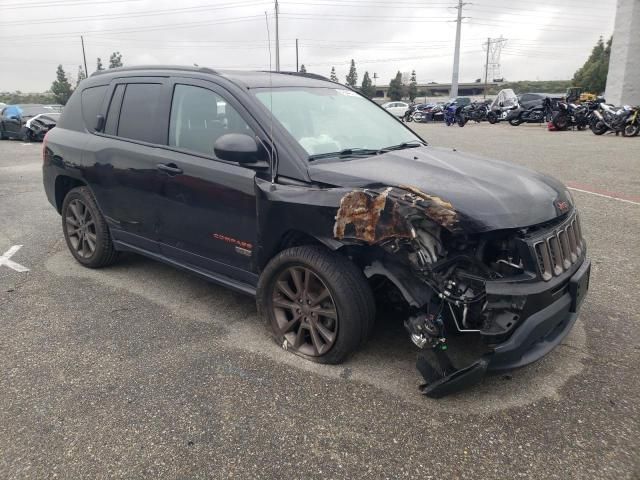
546, 40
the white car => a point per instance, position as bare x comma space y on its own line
396, 108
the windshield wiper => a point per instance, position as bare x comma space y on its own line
402, 146
347, 152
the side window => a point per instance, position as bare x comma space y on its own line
111, 127
91, 103
199, 117
139, 111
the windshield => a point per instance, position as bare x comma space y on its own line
334, 120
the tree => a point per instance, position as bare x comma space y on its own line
303, 69
333, 77
61, 88
396, 88
352, 77
413, 86
367, 87
99, 65
115, 60
81, 75
592, 76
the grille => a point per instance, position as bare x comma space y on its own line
559, 248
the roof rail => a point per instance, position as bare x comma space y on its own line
300, 74
154, 67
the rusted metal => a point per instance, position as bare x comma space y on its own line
373, 216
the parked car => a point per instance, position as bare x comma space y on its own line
396, 108
14, 119
308, 196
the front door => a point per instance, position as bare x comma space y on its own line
208, 214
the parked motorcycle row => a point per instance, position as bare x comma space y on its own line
559, 114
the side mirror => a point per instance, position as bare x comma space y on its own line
238, 147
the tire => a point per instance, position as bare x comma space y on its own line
80, 203
631, 130
599, 128
561, 122
515, 122
349, 298
491, 118
462, 121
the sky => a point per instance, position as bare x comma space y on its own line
545, 40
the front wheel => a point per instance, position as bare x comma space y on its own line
86, 231
462, 121
492, 118
515, 122
316, 303
631, 130
561, 121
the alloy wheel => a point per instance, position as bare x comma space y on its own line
304, 312
81, 228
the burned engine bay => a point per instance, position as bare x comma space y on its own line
420, 243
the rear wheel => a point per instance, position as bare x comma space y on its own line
515, 122
492, 118
599, 127
316, 303
86, 231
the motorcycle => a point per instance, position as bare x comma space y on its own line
453, 114
505, 101
536, 114
573, 115
476, 111
408, 115
624, 119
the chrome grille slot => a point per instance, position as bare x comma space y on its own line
556, 255
557, 249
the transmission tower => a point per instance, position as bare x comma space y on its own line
492, 69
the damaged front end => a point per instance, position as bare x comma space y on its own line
516, 290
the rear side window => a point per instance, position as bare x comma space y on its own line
199, 117
111, 127
139, 110
91, 103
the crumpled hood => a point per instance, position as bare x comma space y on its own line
486, 194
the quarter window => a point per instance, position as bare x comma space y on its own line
91, 103
199, 117
139, 111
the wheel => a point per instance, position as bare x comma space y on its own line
515, 122
631, 130
598, 128
86, 231
561, 122
316, 303
492, 118
462, 121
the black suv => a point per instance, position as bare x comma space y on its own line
310, 197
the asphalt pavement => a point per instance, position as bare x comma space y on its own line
143, 371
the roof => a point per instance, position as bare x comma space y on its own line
249, 79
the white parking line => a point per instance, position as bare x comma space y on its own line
4, 260
604, 196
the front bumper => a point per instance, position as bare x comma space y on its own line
540, 333
543, 330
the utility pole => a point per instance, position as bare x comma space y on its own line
456, 54
486, 69
277, 39
86, 72
297, 69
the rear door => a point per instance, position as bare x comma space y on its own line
208, 217
124, 159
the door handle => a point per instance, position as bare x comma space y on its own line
170, 168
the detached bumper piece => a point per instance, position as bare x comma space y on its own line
442, 382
